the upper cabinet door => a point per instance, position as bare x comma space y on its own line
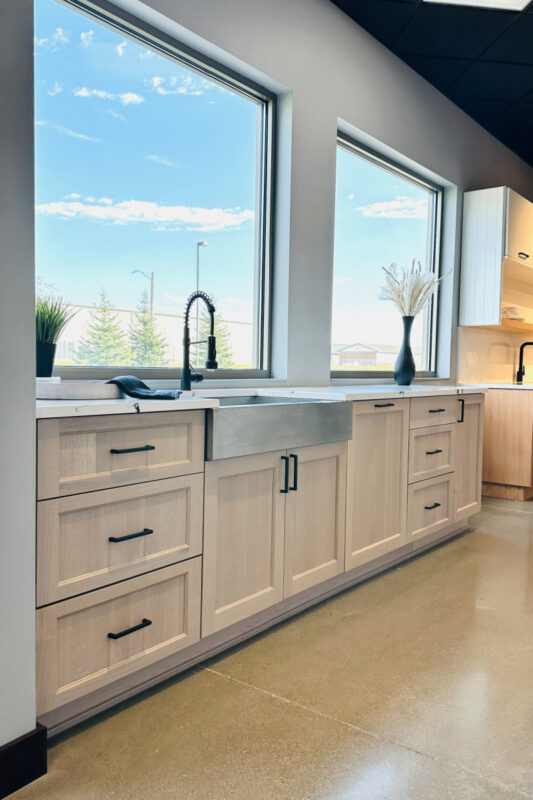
243, 537
315, 516
519, 228
469, 456
376, 489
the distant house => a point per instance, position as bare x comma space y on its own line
371, 356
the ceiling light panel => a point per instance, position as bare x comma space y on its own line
505, 5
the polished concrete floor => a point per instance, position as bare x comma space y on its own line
417, 685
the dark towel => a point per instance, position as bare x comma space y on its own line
132, 386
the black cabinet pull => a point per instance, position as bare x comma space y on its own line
133, 449
294, 486
462, 417
143, 624
523, 255
437, 410
430, 508
285, 489
433, 452
383, 405
145, 532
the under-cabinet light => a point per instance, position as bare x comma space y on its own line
506, 5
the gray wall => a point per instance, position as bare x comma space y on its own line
17, 387
328, 70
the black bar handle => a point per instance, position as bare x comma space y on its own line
523, 255
383, 405
437, 410
462, 417
430, 508
433, 452
294, 486
133, 449
285, 489
144, 624
145, 532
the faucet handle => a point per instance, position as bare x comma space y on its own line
211, 360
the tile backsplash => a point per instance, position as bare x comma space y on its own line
491, 356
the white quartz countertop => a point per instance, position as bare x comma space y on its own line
521, 387
208, 398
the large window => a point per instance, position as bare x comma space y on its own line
382, 216
151, 180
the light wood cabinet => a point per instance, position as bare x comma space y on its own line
469, 457
508, 444
89, 641
497, 256
428, 412
376, 492
83, 455
87, 541
315, 517
243, 538
432, 452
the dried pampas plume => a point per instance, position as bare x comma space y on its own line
409, 289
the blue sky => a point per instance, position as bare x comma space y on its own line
137, 159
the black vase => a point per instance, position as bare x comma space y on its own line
404, 369
45, 359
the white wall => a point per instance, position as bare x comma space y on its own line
17, 368
332, 70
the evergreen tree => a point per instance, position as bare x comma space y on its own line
224, 351
105, 343
148, 347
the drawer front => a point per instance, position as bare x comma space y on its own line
84, 455
427, 411
90, 540
431, 452
150, 617
430, 506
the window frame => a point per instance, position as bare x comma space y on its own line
356, 148
143, 33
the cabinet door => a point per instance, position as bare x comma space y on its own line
377, 480
469, 457
243, 538
519, 228
315, 516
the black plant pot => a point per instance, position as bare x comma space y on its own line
45, 359
404, 369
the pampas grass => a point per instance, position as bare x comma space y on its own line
409, 289
51, 316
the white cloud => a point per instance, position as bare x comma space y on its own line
146, 54
351, 196
90, 199
72, 196
67, 131
116, 115
165, 162
120, 48
107, 201
339, 281
190, 85
86, 38
126, 98
160, 217
56, 89
52, 42
401, 208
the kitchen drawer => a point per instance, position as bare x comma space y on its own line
83, 455
156, 524
429, 506
426, 411
431, 452
151, 617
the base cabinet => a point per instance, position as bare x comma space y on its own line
377, 480
274, 526
469, 457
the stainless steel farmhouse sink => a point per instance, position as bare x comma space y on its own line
256, 424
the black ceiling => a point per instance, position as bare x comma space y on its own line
482, 59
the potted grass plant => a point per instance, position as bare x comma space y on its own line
51, 316
410, 290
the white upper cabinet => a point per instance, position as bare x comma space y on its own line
497, 254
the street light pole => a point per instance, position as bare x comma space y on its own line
198, 246
151, 278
